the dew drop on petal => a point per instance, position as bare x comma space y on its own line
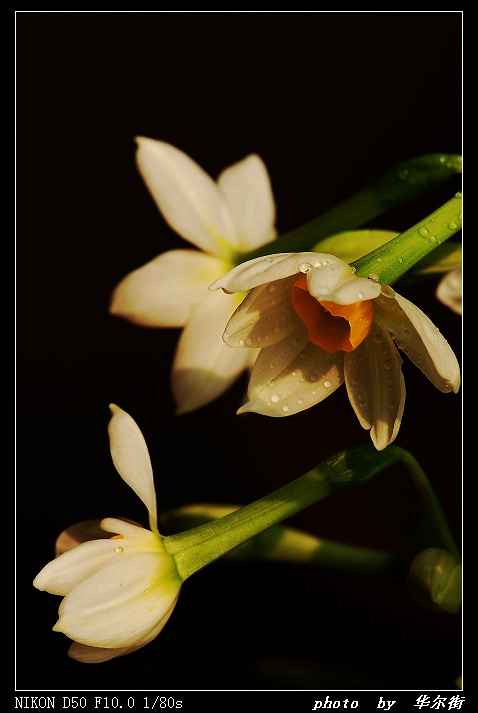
259, 339
272, 288
327, 384
119, 550
305, 267
360, 295
275, 398
387, 364
146, 591
241, 342
248, 340
285, 409
300, 401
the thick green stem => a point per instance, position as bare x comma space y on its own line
196, 548
288, 544
392, 260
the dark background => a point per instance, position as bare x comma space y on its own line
329, 101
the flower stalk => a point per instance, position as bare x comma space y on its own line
395, 258
196, 548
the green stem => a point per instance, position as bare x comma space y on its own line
404, 182
393, 259
196, 548
288, 544
432, 504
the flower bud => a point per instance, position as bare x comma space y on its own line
434, 580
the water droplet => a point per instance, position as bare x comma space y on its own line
327, 384
146, 591
373, 277
241, 342
305, 267
407, 332
275, 398
387, 364
269, 259
379, 259
259, 339
295, 372
432, 239
271, 366
249, 340
119, 550
317, 264
458, 195
277, 330
400, 259
360, 295
442, 159
300, 401
285, 409
378, 337
452, 225
354, 269
424, 232
272, 288
314, 392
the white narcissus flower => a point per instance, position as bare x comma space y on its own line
118, 592
318, 325
222, 219
449, 290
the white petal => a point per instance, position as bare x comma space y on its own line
204, 366
335, 281
131, 459
190, 201
121, 603
163, 292
375, 385
266, 269
421, 341
71, 568
78, 563
449, 290
92, 654
248, 190
292, 375
265, 317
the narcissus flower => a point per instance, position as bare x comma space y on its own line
449, 290
118, 592
318, 325
223, 219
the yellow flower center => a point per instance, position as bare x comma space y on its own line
331, 326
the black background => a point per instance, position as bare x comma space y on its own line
329, 101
